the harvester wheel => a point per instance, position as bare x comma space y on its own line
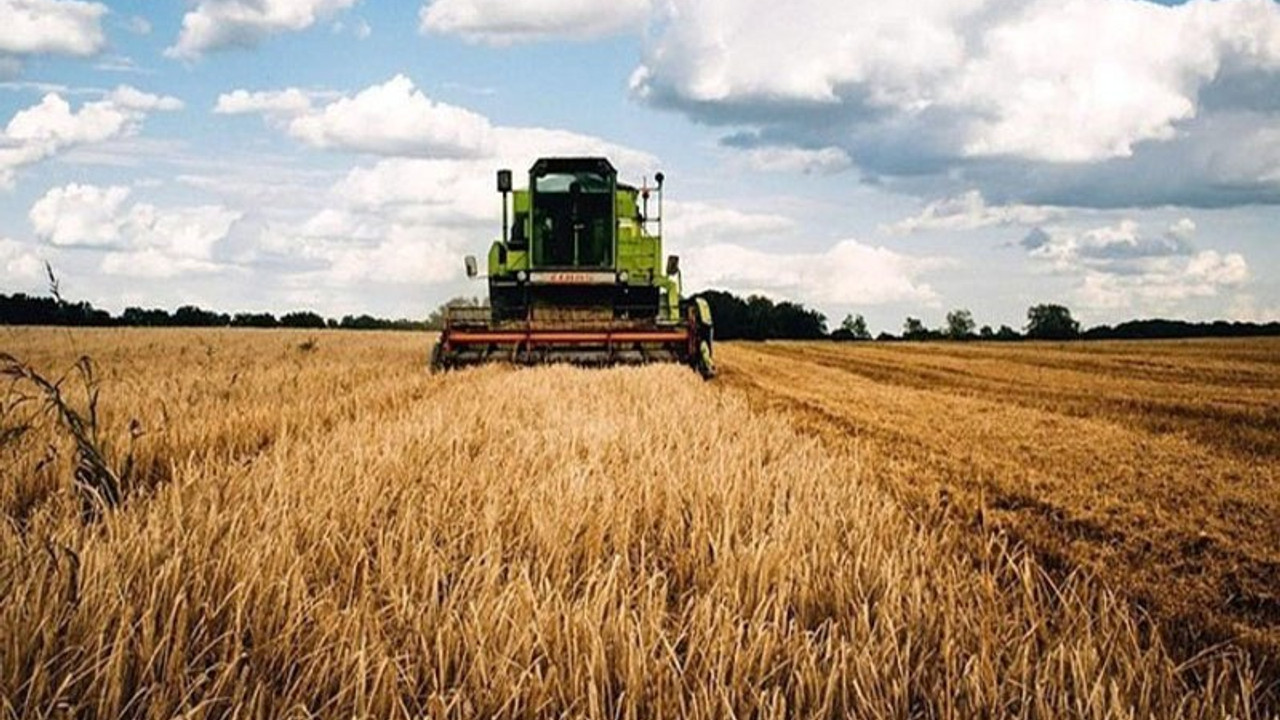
706, 364
437, 358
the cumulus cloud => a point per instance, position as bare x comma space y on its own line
62, 27
823, 161
1112, 247
397, 120
394, 118
695, 223
502, 22
287, 103
80, 215
1162, 286
20, 266
941, 87
145, 240
343, 250
131, 98
969, 211
847, 273
1120, 267
50, 126
218, 24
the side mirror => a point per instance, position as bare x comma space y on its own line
471, 266
504, 181
673, 264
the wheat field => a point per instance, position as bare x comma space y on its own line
311, 525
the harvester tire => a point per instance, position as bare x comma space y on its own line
437, 359
705, 363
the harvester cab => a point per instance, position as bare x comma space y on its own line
579, 276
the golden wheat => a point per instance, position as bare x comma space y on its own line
1153, 464
333, 532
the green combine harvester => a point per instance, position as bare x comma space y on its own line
579, 277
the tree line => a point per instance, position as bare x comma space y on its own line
23, 309
754, 317
758, 318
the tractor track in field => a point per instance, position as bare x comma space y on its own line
1104, 494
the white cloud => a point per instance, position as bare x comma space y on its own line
80, 215
355, 248
286, 103
44, 129
131, 98
848, 273
149, 241
53, 121
120, 64
697, 223
181, 232
1121, 268
502, 22
1246, 308
394, 118
519, 147
824, 161
1118, 248
1165, 283
970, 211
949, 80
217, 24
19, 264
461, 190
153, 264
63, 27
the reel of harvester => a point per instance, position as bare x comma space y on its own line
578, 277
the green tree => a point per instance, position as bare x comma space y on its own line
960, 324
1007, 334
853, 327
914, 329
1051, 322
302, 319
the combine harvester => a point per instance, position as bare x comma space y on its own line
578, 278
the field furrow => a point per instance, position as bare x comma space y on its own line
1184, 525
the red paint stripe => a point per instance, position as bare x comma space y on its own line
542, 337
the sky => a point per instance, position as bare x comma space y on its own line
1119, 157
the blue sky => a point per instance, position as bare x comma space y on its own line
1117, 156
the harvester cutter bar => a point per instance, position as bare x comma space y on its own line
545, 337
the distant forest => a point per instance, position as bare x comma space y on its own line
752, 318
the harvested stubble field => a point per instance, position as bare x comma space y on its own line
314, 526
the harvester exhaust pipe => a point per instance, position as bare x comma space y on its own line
504, 187
658, 179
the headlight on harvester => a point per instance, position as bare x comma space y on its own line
623, 277
521, 276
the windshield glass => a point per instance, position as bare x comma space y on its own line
588, 182
573, 229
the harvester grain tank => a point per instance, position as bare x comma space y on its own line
579, 276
